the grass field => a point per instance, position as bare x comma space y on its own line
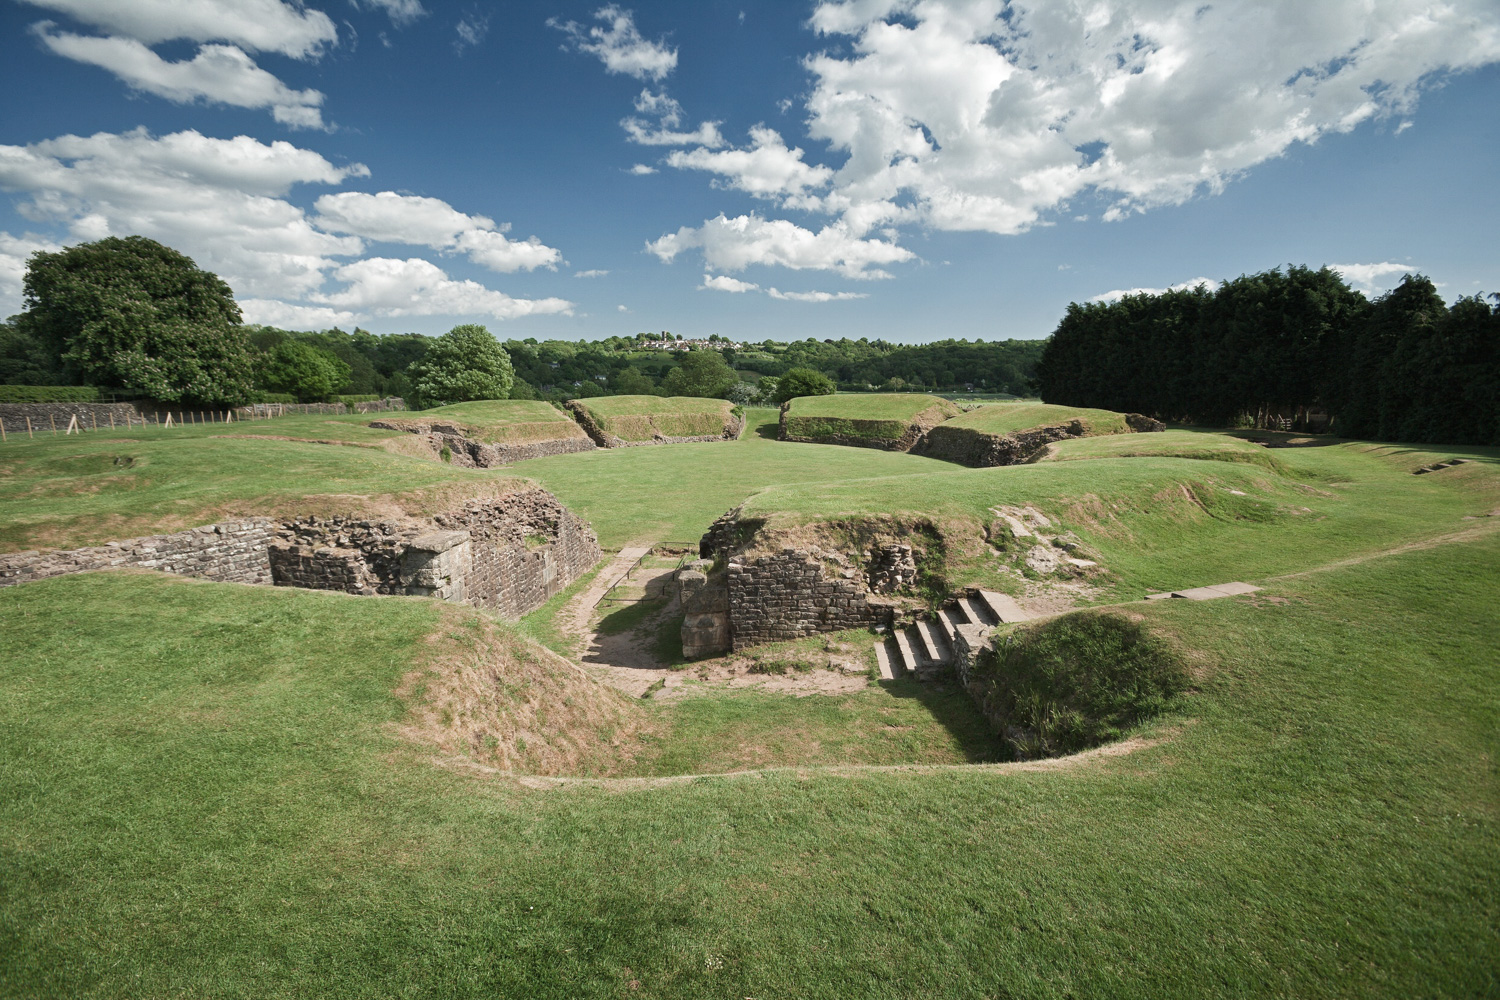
203, 792
1007, 418
640, 418
69, 491
874, 416
215, 790
501, 421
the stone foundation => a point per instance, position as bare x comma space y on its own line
507, 554
469, 453
793, 594
968, 446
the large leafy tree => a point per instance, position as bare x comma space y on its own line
701, 373
465, 363
802, 382
304, 371
131, 314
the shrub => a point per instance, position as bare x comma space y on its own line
1077, 681
48, 394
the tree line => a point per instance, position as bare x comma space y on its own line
1294, 347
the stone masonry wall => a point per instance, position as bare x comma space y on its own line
229, 552
508, 554
792, 594
44, 415
471, 454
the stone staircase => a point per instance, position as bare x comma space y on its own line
924, 650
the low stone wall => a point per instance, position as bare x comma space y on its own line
508, 554
911, 434
468, 453
792, 594
229, 552
705, 612
46, 415
734, 425
261, 411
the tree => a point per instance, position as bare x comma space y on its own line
701, 373
802, 382
309, 374
131, 314
465, 363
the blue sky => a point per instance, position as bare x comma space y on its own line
906, 169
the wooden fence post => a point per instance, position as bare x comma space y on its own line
72, 427
111, 419
94, 419
28, 428
2, 429
53, 421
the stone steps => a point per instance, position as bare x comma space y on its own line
925, 649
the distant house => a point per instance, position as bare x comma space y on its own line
688, 345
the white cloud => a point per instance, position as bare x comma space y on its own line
983, 121
15, 251
258, 25
641, 133
623, 309
415, 287
724, 283
471, 30
734, 244
768, 168
217, 200
389, 217
590, 273
1120, 293
641, 170
289, 316
401, 12
221, 74
1367, 277
620, 45
815, 296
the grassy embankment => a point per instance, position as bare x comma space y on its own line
883, 419
69, 491
641, 418
1008, 418
204, 791
498, 421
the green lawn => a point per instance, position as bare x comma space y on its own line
899, 406
1007, 418
502, 420
71, 491
640, 418
203, 792
1179, 443
673, 494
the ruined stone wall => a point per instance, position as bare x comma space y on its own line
792, 594
972, 447
229, 552
45, 415
508, 554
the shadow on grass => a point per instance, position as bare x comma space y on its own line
955, 711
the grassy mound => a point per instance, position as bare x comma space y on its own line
1009, 418
615, 421
1077, 681
1201, 445
64, 492
889, 420
494, 421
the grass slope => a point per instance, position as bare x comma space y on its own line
201, 793
501, 421
881, 416
1007, 418
640, 418
70, 491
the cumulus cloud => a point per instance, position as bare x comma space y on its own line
768, 168
220, 74
592, 272
257, 25
1367, 277
985, 115
815, 296
386, 286
217, 200
15, 251
389, 217
724, 283
734, 244
1119, 293
665, 130
641, 170
619, 44
290, 316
